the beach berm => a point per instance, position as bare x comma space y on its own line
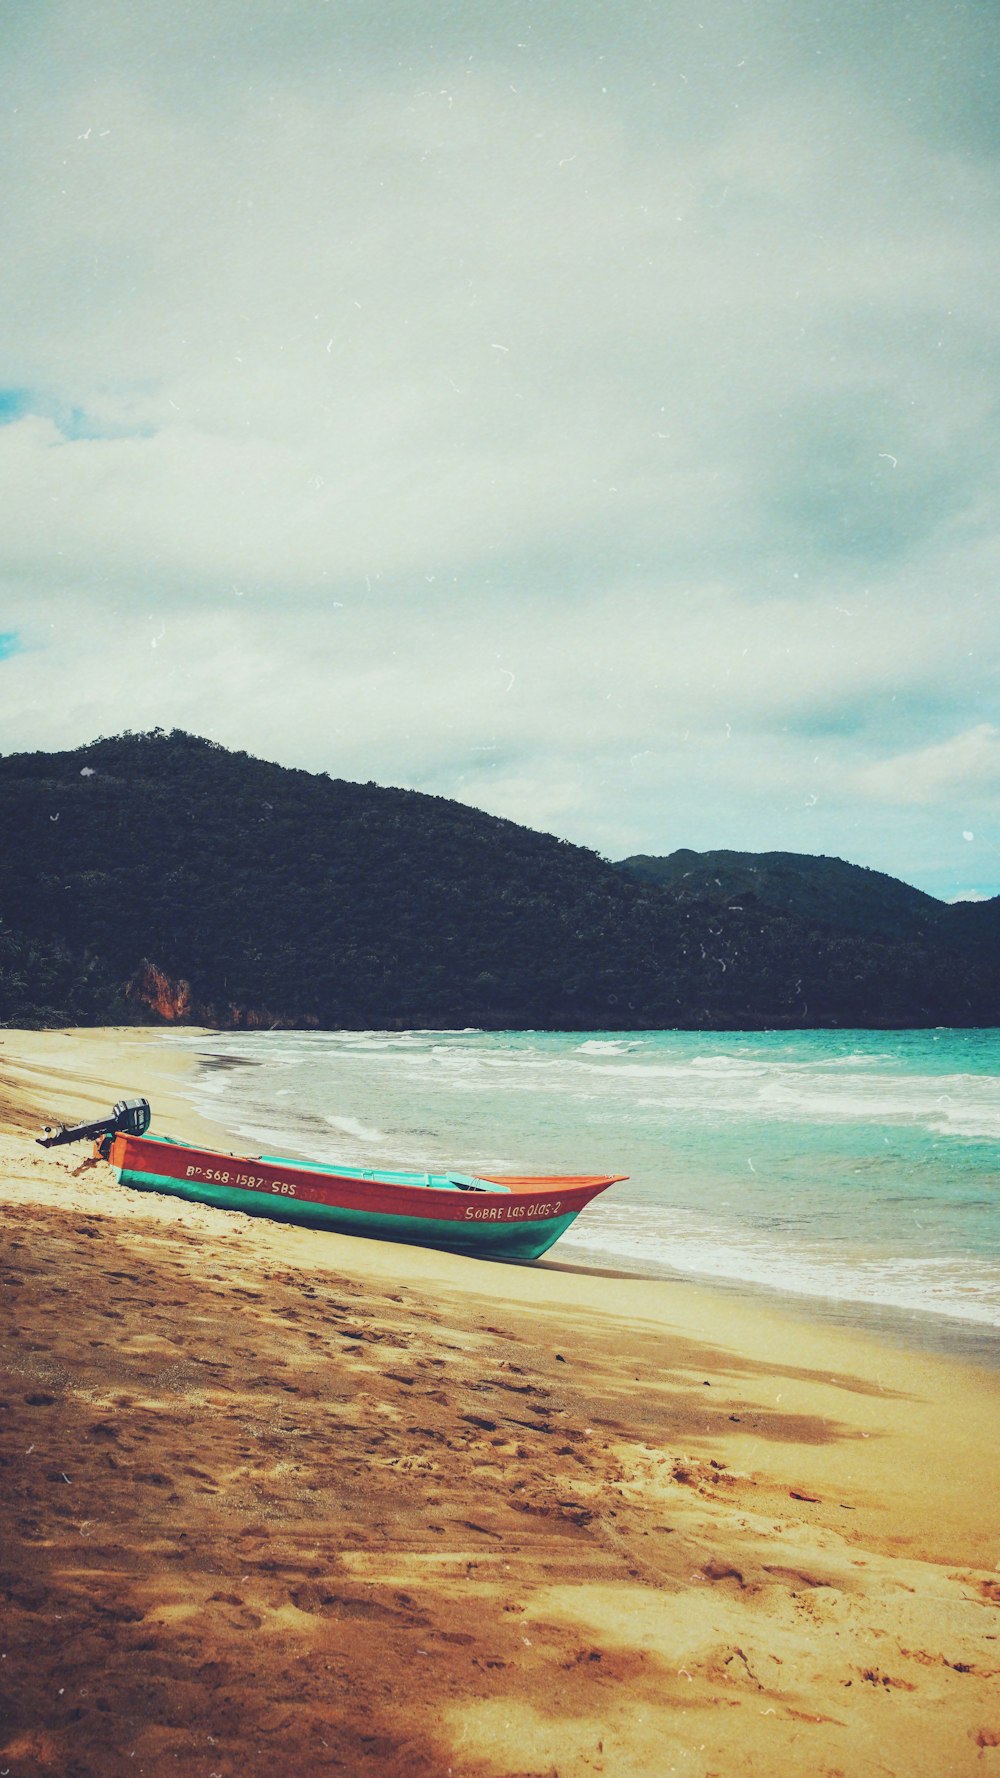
279, 1501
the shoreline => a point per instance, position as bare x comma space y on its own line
932, 1331
499, 1519
916, 1331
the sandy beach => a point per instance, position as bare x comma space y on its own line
280, 1502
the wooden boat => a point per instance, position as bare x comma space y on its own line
511, 1218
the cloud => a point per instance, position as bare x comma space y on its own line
454, 300
966, 766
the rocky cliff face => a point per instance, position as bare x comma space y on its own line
152, 988
173, 1001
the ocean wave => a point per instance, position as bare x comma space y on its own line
964, 1290
350, 1126
972, 1127
607, 1046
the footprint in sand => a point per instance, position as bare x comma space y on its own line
103, 1429
319, 1602
239, 1617
118, 1613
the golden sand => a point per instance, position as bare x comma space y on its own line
277, 1502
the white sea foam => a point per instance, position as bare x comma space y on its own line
606, 1046
652, 1243
351, 1126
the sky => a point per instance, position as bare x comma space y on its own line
586, 411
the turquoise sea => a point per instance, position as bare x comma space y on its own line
858, 1169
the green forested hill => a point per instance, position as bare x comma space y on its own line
161, 875
830, 891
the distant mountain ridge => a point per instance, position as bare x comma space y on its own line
847, 897
161, 876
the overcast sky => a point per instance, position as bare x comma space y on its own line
587, 411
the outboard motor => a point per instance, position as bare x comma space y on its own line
129, 1117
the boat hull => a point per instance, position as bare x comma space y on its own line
518, 1219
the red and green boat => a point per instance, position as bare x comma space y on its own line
516, 1217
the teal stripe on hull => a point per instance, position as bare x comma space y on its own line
488, 1240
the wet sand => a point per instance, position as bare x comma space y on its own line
277, 1502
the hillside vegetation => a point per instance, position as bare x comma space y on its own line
162, 876
825, 891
